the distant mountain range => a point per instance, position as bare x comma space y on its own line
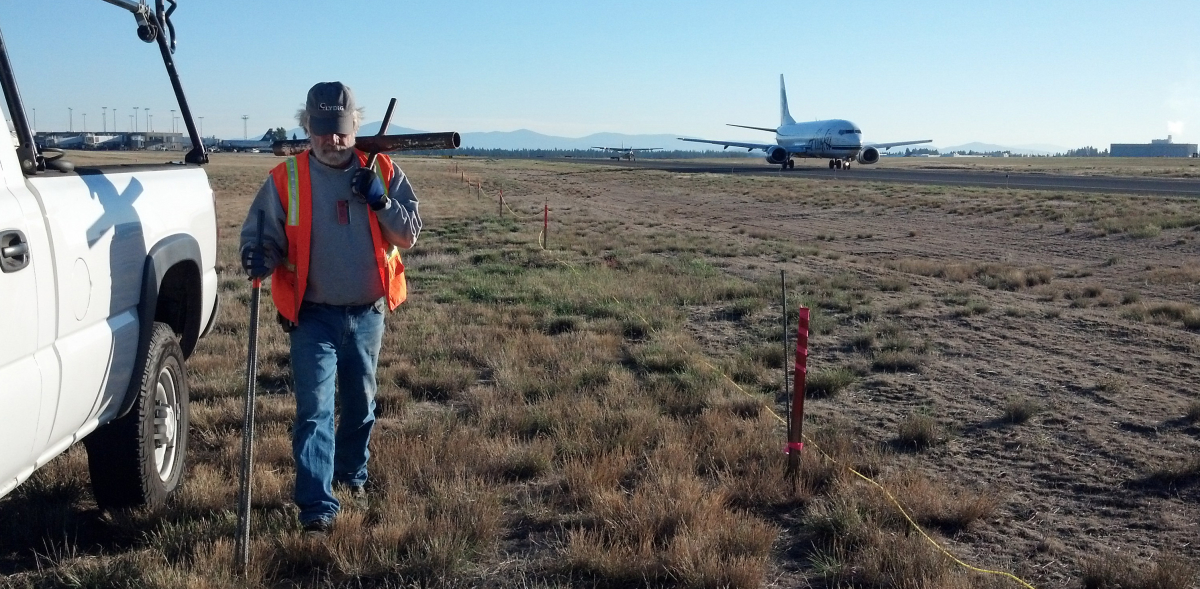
526, 139
1035, 149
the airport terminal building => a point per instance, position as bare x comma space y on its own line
1156, 148
112, 140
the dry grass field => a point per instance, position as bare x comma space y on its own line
1016, 368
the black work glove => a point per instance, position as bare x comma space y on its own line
254, 262
366, 185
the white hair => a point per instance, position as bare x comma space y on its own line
302, 116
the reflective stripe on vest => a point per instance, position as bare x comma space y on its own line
289, 280
293, 204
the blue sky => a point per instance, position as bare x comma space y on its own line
1017, 72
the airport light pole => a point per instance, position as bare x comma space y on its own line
149, 120
172, 120
132, 124
35, 120
201, 129
104, 115
70, 120
245, 134
85, 122
135, 113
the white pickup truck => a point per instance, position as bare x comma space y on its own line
107, 280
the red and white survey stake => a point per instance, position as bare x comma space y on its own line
796, 429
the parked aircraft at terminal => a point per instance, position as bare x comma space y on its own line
263, 144
838, 140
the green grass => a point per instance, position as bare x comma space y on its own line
828, 382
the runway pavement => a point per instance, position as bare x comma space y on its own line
1120, 184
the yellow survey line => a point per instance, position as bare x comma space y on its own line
864, 477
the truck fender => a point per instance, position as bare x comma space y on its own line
165, 255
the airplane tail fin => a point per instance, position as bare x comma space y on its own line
785, 117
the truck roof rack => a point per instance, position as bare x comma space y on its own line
156, 26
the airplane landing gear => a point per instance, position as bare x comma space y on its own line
839, 164
791, 163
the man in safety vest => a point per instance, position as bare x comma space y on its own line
331, 239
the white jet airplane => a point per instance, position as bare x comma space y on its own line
629, 153
836, 139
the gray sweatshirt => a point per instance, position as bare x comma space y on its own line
342, 268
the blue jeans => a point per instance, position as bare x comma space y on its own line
343, 342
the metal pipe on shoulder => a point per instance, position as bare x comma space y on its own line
380, 143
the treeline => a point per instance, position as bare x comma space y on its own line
577, 153
1088, 151
920, 151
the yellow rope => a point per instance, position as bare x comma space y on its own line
515, 215
864, 477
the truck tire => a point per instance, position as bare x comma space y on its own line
138, 460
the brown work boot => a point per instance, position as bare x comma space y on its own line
358, 496
317, 529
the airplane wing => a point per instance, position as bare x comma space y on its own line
645, 149
749, 127
896, 144
748, 146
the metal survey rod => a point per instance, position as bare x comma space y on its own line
380, 143
242, 551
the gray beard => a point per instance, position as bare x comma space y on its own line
334, 158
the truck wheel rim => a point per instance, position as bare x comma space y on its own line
166, 422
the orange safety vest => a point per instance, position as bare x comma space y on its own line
288, 282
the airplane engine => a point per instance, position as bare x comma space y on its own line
868, 155
777, 156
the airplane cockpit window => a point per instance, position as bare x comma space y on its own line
848, 131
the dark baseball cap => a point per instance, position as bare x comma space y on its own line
330, 109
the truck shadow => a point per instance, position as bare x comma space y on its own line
48, 521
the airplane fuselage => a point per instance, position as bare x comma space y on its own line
830, 139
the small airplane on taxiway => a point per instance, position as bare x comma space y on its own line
629, 153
